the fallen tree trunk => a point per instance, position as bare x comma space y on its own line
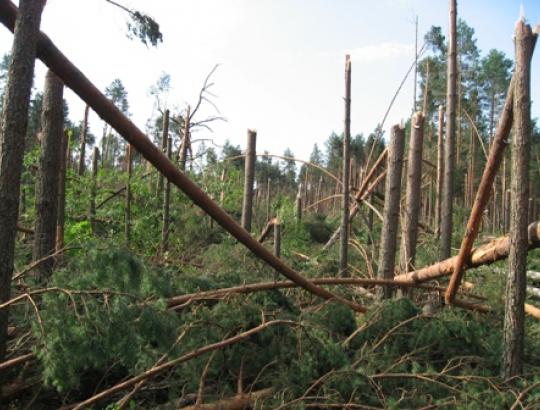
238, 402
494, 251
89, 93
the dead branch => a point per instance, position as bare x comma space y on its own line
238, 402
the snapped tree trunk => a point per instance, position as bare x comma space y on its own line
514, 317
185, 141
127, 210
447, 200
392, 197
249, 179
440, 172
93, 188
52, 123
164, 137
412, 202
344, 234
13, 127
82, 148
166, 207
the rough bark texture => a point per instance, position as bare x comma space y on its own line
440, 171
127, 210
447, 200
82, 149
164, 137
12, 134
514, 317
249, 180
344, 233
409, 232
60, 217
52, 123
392, 197
182, 154
166, 207
89, 93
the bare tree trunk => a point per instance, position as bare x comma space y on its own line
185, 141
298, 205
249, 179
82, 148
392, 196
90, 94
93, 189
277, 238
268, 198
344, 233
447, 201
440, 172
409, 232
507, 211
52, 121
127, 215
166, 207
318, 195
164, 138
514, 318
13, 128
60, 218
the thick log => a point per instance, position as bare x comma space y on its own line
494, 251
89, 93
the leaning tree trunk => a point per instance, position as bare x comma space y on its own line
413, 198
13, 127
182, 153
392, 196
52, 124
344, 233
249, 179
514, 317
447, 200
82, 149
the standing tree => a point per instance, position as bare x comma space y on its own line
344, 234
49, 167
13, 126
447, 201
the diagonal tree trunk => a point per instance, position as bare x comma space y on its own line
447, 200
13, 127
52, 122
392, 196
514, 317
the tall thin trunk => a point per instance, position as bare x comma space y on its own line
425, 104
268, 198
298, 204
52, 122
415, 64
412, 202
166, 207
440, 172
164, 138
249, 179
344, 234
127, 214
13, 128
185, 141
392, 196
61, 216
447, 202
82, 149
514, 318
93, 188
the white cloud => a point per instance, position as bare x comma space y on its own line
381, 52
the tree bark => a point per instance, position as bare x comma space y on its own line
249, 180
514, 318
13, 128
449, 146
82, 149
127, 210
93, 188
52, 122
185, 141
344, 234
392, 197
412, 202
90, 94
166, 207
60, 218
164, 138
440, 172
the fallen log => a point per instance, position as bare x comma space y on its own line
23, 229
494, 251
238, 402
266, 231
91, 95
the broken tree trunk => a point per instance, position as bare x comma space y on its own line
409, 232
249, 180
52, 123
516, 283
344, 234
182, 154
82, 147
90, 94
93, 187
392, 196
12, 136
164, 139
481, 200
447, 200
440, 171
494, 251
166, 207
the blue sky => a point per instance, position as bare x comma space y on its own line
281, 61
